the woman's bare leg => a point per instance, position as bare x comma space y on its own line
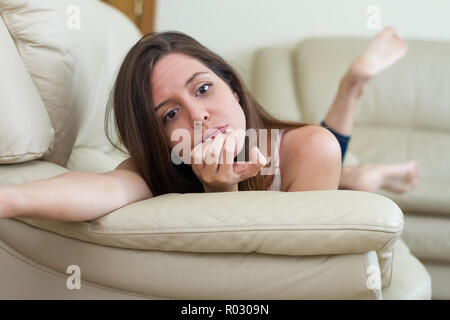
384, 50
398, 178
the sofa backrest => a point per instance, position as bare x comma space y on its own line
72, 51
413, 93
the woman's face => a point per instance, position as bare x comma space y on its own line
185, 91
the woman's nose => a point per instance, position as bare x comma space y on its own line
199, 114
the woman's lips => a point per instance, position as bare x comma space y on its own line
213, 132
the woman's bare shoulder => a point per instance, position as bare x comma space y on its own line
307, 151
292, 145
292, 137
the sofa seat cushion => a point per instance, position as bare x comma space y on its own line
387, 145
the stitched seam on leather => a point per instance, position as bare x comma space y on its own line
51, 271
389, 245
346, 228
367, 227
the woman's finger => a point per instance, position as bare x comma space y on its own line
229, 148
214, 149
197, 156
227, 156
250, 169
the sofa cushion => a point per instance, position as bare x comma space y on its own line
26, 132
245, 222
72, 68
273, 83
43, 39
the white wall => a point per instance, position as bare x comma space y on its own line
235, 28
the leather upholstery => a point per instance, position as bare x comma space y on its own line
249, 245
46, 47
132, 274
25, 128
190, 275
73, 80
428, 235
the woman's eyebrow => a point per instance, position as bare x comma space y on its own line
185, 85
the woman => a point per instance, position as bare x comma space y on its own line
189, 83
169, 83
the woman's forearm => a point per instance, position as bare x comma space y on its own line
72, 196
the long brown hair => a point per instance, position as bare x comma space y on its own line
142, 133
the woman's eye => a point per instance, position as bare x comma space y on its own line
171, 114
202, 89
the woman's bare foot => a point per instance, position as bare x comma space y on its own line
398, 178
384, 50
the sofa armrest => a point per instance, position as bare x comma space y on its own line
190, 275
268, 222
289, 223
307, 223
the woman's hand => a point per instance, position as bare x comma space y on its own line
213, 163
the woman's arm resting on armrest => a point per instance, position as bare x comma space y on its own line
74, 196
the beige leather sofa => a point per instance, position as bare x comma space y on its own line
404, 114
55, 82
